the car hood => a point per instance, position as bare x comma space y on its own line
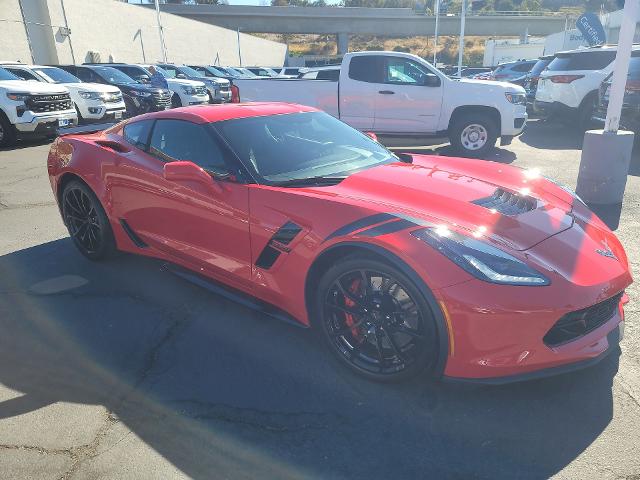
185, 83
458, 193
33, 87
91, 87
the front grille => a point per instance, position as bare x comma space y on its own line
112, 97
49, 103
576, 324
201, 90
162, 100
507, 203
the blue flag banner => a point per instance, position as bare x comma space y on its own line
591, 29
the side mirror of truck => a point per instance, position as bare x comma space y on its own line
432, 80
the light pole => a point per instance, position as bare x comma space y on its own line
606, 154
162, 44
463, 13
436, 9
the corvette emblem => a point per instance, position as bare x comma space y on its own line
606, 251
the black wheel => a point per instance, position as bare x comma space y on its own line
175, 101
473, 135
8, 135
86, 221
375, 319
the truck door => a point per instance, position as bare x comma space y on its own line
358, 82
409, 98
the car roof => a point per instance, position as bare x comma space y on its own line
227, 111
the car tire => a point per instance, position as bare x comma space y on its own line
378, 342
130, 108
8, 134
175, 101
81, 120
473, 135
585, 112
87, 222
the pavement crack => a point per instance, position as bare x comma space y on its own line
42, 450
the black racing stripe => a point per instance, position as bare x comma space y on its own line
287, 233
359, 224
389, 227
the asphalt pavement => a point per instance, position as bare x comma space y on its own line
120, 370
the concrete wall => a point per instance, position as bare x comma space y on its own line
117, 31
13, 37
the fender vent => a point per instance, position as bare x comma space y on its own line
279, 243
508, 203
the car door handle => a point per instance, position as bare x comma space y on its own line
386, 92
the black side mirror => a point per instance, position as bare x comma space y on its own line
432, 80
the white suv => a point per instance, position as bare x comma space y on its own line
568, 88
93, 101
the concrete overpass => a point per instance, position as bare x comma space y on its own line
390, 22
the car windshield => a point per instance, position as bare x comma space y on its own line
6, 75
216, 72
190, 72
298, 146
56, 75
539, 67
113, 75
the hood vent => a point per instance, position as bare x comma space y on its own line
508, 203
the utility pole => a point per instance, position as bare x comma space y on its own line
162, 44
606, 154
463, 14
436, 8
239, 50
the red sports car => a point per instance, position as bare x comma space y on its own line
404, 264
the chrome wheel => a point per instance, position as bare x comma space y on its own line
474, 136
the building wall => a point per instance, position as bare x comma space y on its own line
117, 31
13, 37
502, 51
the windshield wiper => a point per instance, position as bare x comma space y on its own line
310, 181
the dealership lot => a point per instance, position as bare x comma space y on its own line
121, 370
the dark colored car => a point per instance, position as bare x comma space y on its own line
630, 116
531, 80
138, 98
471, 71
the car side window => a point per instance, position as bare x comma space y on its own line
136, 73
86, 75
402, 71
137, 133
366, 68
174, 140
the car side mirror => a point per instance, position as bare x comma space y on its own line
144, 79
181, 76
185, 171
432, 80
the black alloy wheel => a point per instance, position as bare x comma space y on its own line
376, 320
86, 221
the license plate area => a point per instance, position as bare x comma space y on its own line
63, 122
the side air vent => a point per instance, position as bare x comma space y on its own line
508, 203
278, 244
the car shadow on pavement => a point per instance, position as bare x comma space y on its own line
545, 135
221, 391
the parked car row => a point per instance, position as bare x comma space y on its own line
40, 99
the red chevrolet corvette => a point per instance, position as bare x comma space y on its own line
404, 264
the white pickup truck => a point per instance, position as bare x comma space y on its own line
394, 94
32, 108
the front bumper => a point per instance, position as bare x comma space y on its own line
513, 121
44, 123
98, 110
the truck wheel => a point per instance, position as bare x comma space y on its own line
175, 101
7, 132
473, 135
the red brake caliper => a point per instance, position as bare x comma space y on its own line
349, 319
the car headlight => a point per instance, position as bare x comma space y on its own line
89, 95
516, 98
17, 97
480, 259
138, 93
188, 90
